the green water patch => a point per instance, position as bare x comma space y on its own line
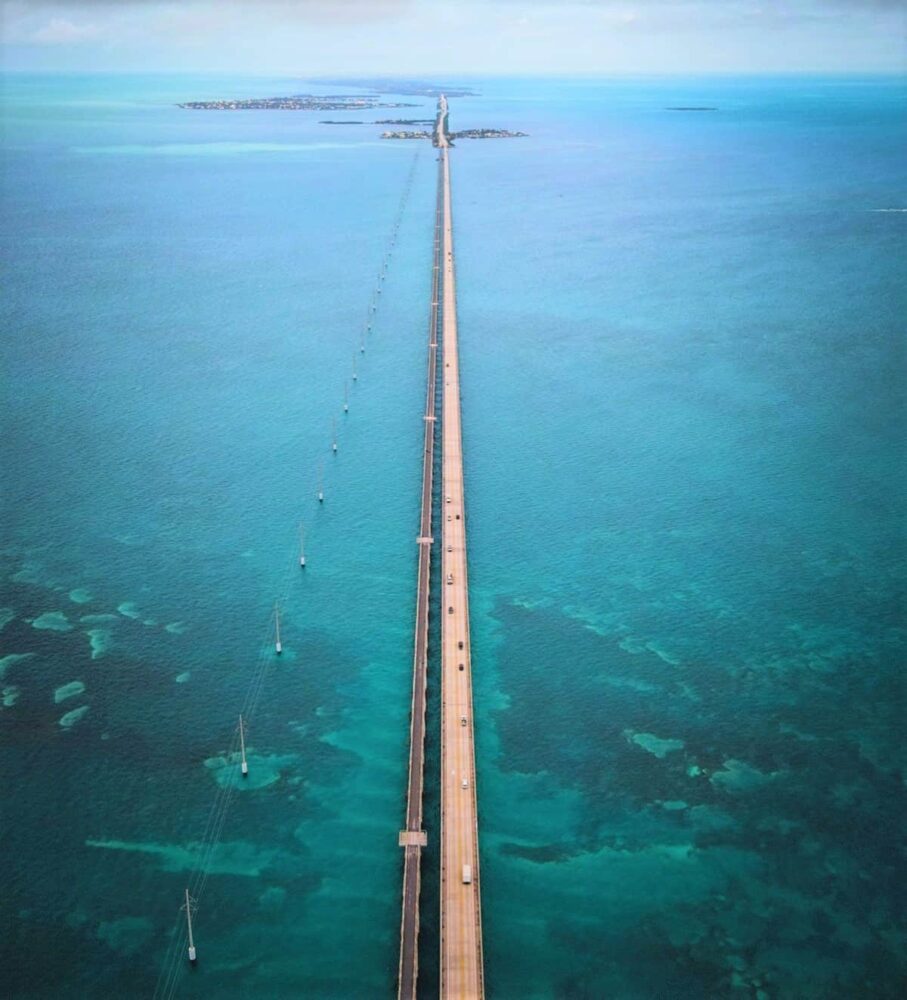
559, 677
129, 610
540, 853
634, 646
69, 690
7, 615
530, 603
264, 770
100, 639
54, 621
176, 628
81, 596
103, 619
236, 857
655, 745
738, 776
642, 898
11, 659
71, 718
710, 821
272, 899
127, 936
789, 730
672, 787
634, 684
660, 651
29, 573
11, 695
183, 677
76, 918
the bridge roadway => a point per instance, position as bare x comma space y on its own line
461, 910
413, 838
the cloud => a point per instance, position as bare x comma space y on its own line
679, 14
357, 37
183, 24
778, 10
62, 31
317, 9
332, 11
792, 7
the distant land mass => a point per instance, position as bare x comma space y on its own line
381, 121
406, 135
470, 133
353, 102
412, 88
691, 108
297, 102
487, 133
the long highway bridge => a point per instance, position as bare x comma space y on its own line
461, 968
461, 909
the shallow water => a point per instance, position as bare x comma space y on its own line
682, 421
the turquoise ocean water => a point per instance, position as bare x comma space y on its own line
682, 353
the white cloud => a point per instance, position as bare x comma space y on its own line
61, 31
444, 36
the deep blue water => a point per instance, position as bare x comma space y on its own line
683, 360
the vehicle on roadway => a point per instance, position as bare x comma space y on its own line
467, 874
450, 577
462, 720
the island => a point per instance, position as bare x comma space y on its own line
354, 102
406, 135
470, 133
297, 102
487, 133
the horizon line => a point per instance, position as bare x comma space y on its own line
428, 76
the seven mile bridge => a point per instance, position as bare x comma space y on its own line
461, 912
461, 969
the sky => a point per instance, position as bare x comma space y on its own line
481, 37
